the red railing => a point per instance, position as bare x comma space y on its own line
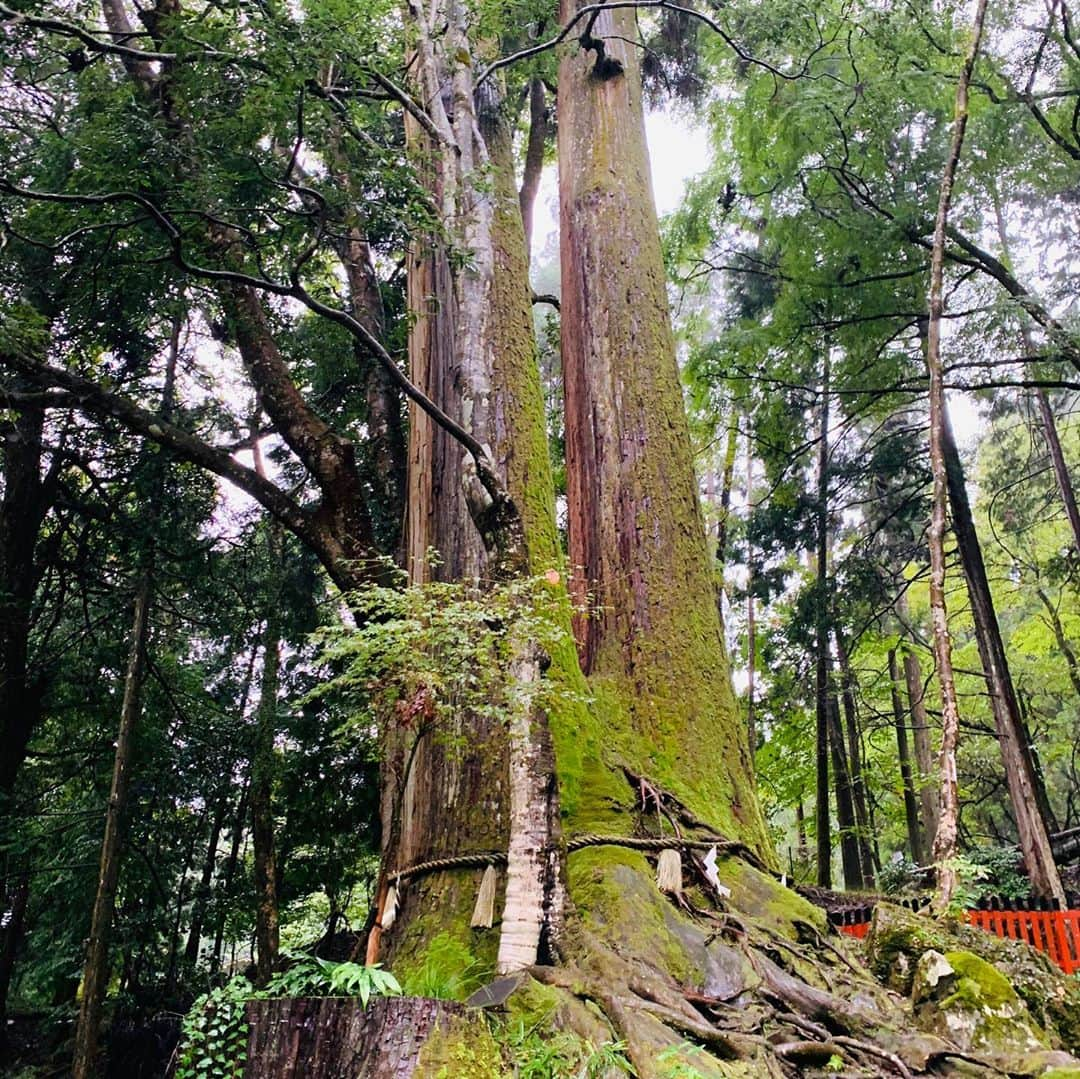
1038, 922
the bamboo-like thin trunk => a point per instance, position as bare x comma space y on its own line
845, 805
822, 664
263, 766
945, 839
911, 805
925, 772
96, 970
867, 855
751, 627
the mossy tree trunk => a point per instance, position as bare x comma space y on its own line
481, 785
651, 641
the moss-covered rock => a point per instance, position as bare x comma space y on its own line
961, 997
898, 938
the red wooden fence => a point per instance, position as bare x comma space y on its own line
1038, 922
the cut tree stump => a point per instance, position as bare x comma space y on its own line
392, 1038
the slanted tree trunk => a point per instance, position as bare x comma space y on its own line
911, 805
539, 128
1053, 619
1057, 458
202, 892
1029, 809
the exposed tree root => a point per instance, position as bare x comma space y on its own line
787, 1001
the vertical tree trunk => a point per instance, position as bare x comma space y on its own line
16, 899
925, 773
945, 838
263, 769
96, 970
202, 892
822, 663
539, 126
642, 568
471, 348
239, 821
725, 484
22, 510
845, 806
858, 782
751, 628
911, 805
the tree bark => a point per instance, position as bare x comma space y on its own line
924, 750
22, 510
96, 970
858, 785
331, 1037
1029, 808
202, 892
477, 785
911, 805
16, 899
539, 127
945, 838
822, 659
263, 770
845, 806
642, 569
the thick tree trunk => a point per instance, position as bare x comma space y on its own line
652, 634
1020, 773
477, 786
911, 805
392, 1038
96, 970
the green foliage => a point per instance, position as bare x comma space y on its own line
420, 654
215, 1032
537, 1054
448, 972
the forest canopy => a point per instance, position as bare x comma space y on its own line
394, 598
